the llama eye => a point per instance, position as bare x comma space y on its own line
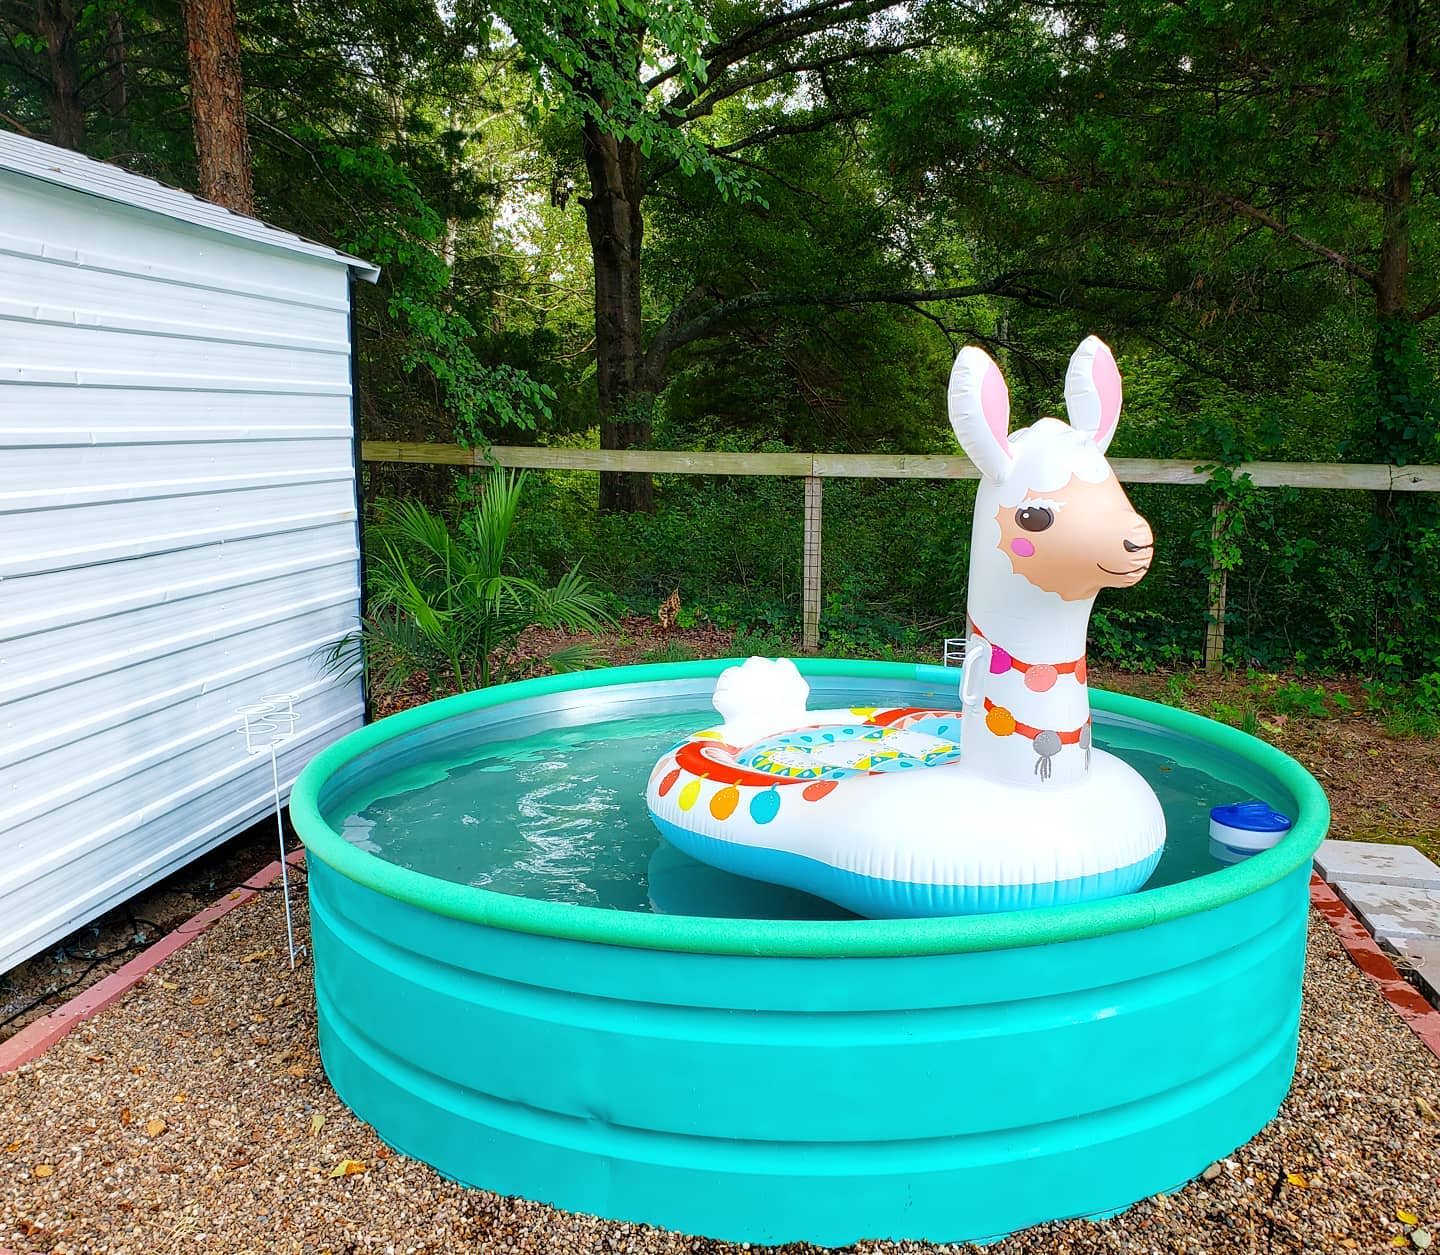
1034, 518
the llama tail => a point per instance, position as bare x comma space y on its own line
759, 697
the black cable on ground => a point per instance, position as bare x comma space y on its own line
55, 993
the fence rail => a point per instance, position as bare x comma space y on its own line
815, 468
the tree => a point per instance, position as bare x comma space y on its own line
217, 104
640, 86
1216, 158
1223, 179
42, 57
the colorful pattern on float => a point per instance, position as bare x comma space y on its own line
817, 757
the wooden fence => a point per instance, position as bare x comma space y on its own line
816, 468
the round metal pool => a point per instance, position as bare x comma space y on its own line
777, 1079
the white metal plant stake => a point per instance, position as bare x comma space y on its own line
268, 724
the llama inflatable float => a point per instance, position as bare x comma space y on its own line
1000, 804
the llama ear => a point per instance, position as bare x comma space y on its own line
1092, 391
980, 412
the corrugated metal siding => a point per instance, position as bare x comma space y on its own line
177, 538
64, 168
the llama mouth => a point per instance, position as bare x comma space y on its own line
1134, 570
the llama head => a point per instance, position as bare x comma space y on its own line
1049, 505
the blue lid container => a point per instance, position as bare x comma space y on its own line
1245, 828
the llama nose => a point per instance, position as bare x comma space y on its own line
1132, 547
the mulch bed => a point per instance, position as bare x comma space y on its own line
195, 1114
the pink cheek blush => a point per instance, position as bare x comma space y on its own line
1022, 547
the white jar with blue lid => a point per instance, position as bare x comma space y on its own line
1244, 828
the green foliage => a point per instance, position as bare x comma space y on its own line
670, 651
589, 63
1408, 709
1403, 535
402, 235
446, 601
1246, 187
1243, 716
858, 377
1177, 688
762, 644
1213, 187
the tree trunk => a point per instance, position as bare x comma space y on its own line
115, 72
616, 228
57, 21
217, 104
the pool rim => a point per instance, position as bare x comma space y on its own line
804, 938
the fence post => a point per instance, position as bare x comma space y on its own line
1215, 627
810, 611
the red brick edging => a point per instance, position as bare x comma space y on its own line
35, 1039
1406, 1001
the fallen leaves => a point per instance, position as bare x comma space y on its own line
168, 984
1297, 1180
155, 1127
297, 1070
1427, 1112
43, 1170
317, 1122
125, 1116
255, 956
347, 1168
1406, 1217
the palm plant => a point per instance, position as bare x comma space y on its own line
443, 600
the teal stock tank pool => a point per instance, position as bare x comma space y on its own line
519, 983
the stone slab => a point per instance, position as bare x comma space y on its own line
1393, 912
1360, 862
1421, 955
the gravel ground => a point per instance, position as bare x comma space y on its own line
195, 1114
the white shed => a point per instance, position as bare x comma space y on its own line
178, 525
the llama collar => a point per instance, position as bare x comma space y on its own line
1040, 677
1047, 742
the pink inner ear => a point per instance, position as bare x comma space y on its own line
1106, 376
995, 404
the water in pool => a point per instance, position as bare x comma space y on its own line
560, 815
